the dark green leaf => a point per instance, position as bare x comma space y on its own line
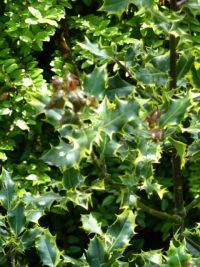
29, 237
16, 218
152, 76
96, 254
7, 190
115, 117
118, 87
48, 251
94, 49
184, 65
43, 200
94, 83
72, 178
62, 155
175, 112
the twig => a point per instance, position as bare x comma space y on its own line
193, 243
192, 204
181, 2
159, 214
178, 191
124, 68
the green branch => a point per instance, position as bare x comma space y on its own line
159, 214
192, 204
193, 243
156, 213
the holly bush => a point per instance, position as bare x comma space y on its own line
100, 125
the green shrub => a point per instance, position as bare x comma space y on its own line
99, 133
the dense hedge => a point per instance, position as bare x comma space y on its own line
100, 124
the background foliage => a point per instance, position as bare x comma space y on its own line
87, 170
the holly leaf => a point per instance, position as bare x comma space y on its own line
118, 87
90, 224
94, 49
62, 155
180, 149
16, 218
7, 189
48, 251
175, 112
118, 7
114, 117
121, 231
96, 254
94, 82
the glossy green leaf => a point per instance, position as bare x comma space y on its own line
175, 111
115, 117
16, 218
72, 178
94, 49
81, 140
121, 231
119, 6
62, 155
152, 76
177, 255
7, 189
184, 65
96, 254
29, 237
75, 262
43, 200
47, 249
11, 68
116, 6
118, 88
79, 198
94, 83
34, 215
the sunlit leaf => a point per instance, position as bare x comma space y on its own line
94, 49
181, 150
121, 231
79, 198
90, 224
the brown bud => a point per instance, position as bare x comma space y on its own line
4, 96
92, 102
56, 102
157, 134
57, 84
154, 117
